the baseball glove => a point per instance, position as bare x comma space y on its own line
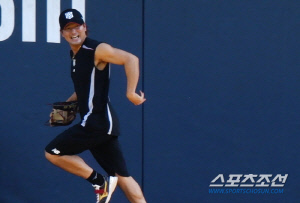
63, 113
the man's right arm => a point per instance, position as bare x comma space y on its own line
107, 54
73, 97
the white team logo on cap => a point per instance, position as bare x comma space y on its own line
69, 15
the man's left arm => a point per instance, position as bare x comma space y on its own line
107, 54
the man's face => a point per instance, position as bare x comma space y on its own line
74, 33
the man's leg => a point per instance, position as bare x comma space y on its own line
111, 159
104, 187
71, 163
61, 152
131, 189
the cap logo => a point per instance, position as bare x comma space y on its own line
69, 15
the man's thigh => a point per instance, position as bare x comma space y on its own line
74, 141
110, 157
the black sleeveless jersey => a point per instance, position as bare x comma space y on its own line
91, 86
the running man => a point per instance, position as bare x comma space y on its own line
98, 129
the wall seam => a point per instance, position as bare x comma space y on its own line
143, 89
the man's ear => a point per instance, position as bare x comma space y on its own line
62, 33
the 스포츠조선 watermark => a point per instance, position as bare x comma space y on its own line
248, 184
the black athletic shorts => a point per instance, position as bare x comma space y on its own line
105, 148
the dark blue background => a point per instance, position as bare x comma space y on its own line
221, 80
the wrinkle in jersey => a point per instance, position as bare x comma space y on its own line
91, 96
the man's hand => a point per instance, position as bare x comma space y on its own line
135, 98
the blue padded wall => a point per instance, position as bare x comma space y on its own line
221, 80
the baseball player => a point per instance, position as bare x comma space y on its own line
98, 129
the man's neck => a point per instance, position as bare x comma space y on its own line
75, 49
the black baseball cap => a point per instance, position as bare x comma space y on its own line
70, 16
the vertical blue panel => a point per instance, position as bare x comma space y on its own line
222, 79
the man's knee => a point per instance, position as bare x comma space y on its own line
124, 180
131, 188
50, 157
